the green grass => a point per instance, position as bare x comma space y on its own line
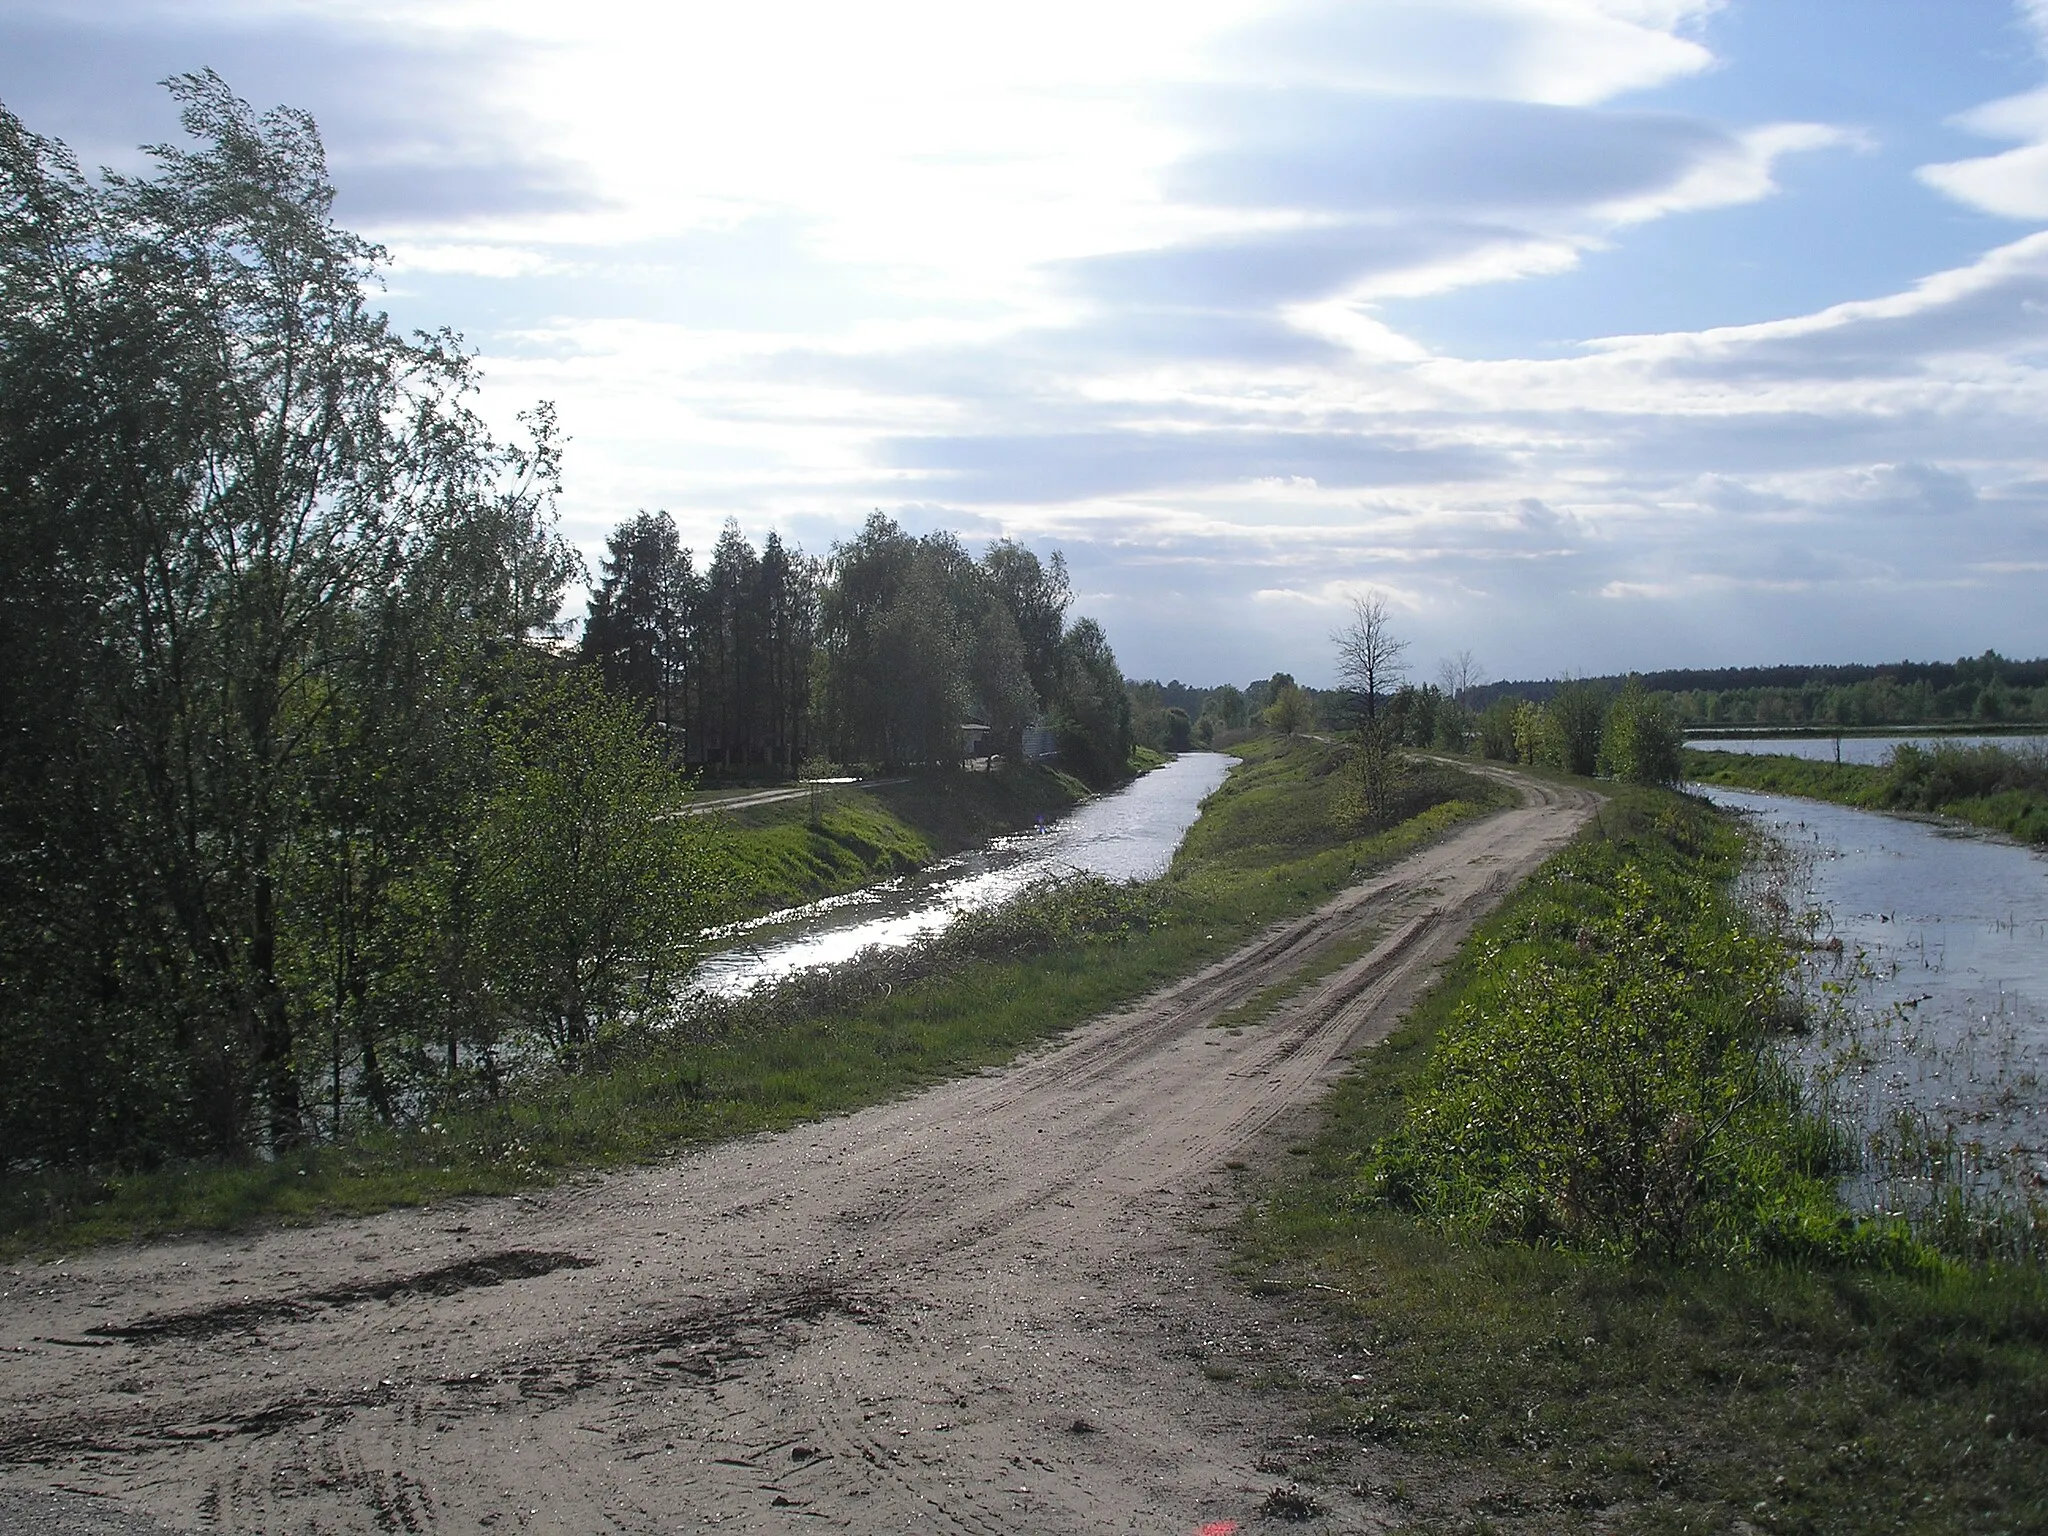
1988, 786
1265, 847
1509, 1386
792, 851
1859, 784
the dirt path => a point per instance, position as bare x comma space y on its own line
991, 1307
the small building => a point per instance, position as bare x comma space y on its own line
1038, 743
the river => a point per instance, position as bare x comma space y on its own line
1128, 835
1855, 749
1941, 1033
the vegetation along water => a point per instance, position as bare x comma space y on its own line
1279, 836
1584, 1226
1999, 787
333, 875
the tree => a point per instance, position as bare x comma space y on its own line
1091, 710
1371, 662
1227, 705
1370, 658
591, 879
1289, 712
264, 563
1497, 729
1458, 675
1531, 725
1573, 721
789, 601
1640, 743
1000, 676
641, 631
1037, 595
897, 628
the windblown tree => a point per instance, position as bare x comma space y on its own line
271, 583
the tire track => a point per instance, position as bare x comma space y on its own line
926, 1298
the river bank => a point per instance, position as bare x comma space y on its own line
1990, 787
1271, 843
841, 837
1788, 1368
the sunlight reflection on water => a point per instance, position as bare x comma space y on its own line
1129, 835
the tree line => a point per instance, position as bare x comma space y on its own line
310, 818
1989, 689
884, 653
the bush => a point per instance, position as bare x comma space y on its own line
1928, 778
1606, 1082
1641, 742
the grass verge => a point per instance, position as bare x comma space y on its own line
1852, 1382
792, 851
1267, 845
2001, 789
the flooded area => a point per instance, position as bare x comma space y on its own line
1875, 750
1129, 835
1935, 1037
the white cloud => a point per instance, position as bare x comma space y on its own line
1123, 277
473, 260
1555, 51
2014, 183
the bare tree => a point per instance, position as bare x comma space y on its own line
1370, 662
1457, 675
1369, 657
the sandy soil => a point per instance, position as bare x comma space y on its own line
997, 1306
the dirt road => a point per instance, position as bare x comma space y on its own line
991, 1307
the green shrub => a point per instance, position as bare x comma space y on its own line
1606, 1081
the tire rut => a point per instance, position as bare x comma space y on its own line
924, 1298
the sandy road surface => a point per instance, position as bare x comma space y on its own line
991, 1307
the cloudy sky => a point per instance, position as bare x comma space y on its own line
1593, 333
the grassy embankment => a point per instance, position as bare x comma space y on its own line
843, 837
1269, 844
846, 836
1582, 1249
2003, 789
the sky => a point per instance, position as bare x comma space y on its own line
1593, 335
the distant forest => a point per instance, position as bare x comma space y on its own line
1987, 689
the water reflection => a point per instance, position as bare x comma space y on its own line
1942, 970
1129, 835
